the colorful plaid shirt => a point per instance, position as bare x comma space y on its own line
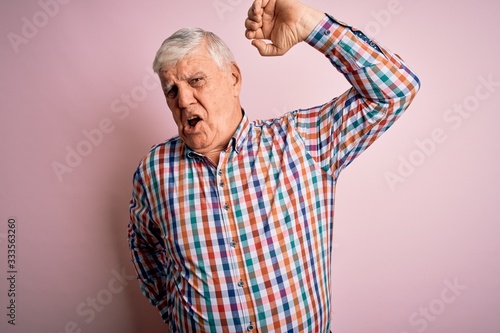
246, 246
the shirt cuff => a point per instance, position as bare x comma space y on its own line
329, 31
321, 36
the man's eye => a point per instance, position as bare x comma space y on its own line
172, 92
196, 81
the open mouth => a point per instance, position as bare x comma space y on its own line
193, 121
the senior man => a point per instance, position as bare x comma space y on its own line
232, 221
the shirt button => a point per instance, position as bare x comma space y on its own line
250, 328
327, 32
220, 172
233, 244
241, 284
221, 184
226, 207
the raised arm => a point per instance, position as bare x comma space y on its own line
382, 85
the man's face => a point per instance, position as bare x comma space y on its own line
204, 100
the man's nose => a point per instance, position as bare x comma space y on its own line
185, 97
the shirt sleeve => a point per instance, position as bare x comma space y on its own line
382, 88
147, 249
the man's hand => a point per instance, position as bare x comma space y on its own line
283, 22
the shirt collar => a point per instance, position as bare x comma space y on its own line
240, 134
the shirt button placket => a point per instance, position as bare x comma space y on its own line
225, 206
241, 284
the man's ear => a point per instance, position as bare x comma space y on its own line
236, 77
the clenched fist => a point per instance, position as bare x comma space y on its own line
283, 22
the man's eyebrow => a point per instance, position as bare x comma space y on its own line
197, 74
168, 86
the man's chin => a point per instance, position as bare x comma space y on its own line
195, 143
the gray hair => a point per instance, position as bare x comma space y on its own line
186, 40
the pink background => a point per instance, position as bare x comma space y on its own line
83, 70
